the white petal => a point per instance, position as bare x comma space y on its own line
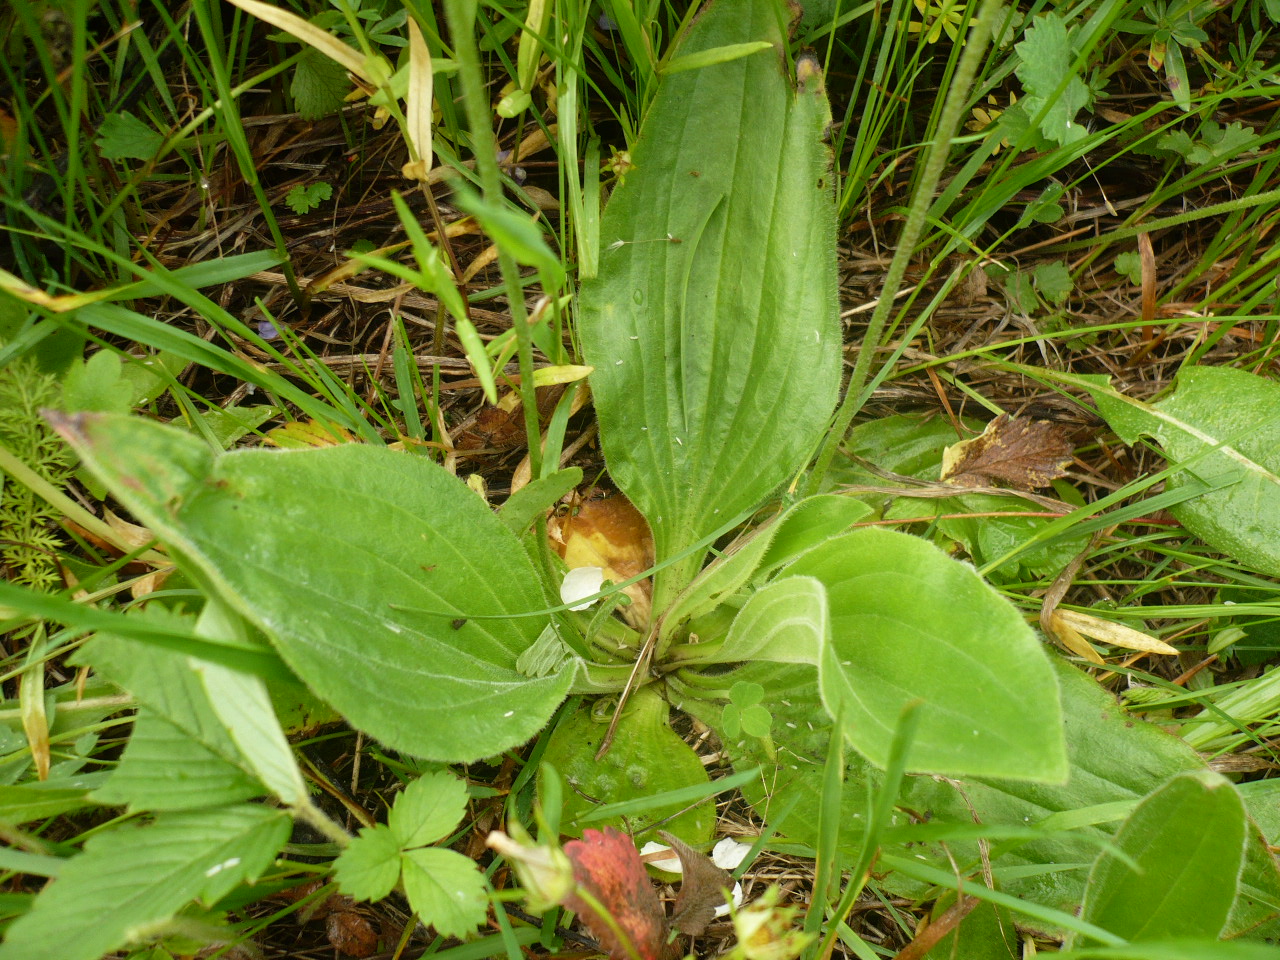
723, 909
729, 853
669, 864
581, 582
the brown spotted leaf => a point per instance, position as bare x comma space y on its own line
607, 868
1020, 453
702, 888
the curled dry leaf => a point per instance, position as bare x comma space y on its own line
138, 537
1071, 638
610, 534
502, 426
1022, 453
419, 105
1115, 634
701, 890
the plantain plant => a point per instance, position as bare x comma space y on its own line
434, 625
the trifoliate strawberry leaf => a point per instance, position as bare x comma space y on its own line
319, 85
427, 809
445, 889
1047, 57
123, 136
370, 865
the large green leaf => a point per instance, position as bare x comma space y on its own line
243, 705
645, 759
48, 798
1115, 761
388, 586
910, 624
1219, 425
786, 621
129, 879
798, 528
1178, 858
712, 323
164, 682
164, 768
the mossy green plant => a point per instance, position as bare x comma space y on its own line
28, 541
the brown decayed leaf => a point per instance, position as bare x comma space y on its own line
702, 888
351, 934
493, 428
607, 866
1022, 453
348, 930
136, 536
499, 427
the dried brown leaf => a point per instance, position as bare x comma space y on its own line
702, 888
1022, 453
351, 934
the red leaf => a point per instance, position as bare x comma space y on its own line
608, 869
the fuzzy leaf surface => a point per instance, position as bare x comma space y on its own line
908, 623
132, 877
1222, 425
785, 621
1115, 761
712, 323
358, 563
1186, 841
798, 528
